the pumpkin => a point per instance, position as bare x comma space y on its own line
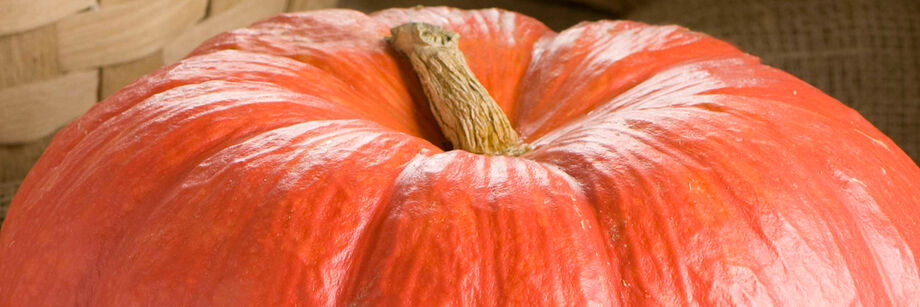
298, 162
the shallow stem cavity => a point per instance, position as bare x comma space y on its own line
466, 113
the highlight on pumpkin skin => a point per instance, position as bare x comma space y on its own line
463, 108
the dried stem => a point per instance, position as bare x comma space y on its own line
467, 115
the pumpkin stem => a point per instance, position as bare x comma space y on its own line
467, 115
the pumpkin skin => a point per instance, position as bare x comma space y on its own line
293, 163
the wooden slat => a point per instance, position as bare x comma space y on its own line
123, 32
34, 110
304, 5
21, 15
105, 3
117, 76
219, 6
240, 15
28, 56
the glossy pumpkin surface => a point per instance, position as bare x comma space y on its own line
296, 162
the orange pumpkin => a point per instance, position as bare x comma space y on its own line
296, 162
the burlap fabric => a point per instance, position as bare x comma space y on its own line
865, 53
617, 7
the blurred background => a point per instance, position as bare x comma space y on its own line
59, 57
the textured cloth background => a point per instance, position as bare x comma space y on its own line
618, 7
865, 53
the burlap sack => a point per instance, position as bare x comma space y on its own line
616, 7
866, 53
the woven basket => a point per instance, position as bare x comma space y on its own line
59, 57
92, 49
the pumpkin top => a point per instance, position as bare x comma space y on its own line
295, 162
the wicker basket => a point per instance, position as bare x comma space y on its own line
59, 57
93, 49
